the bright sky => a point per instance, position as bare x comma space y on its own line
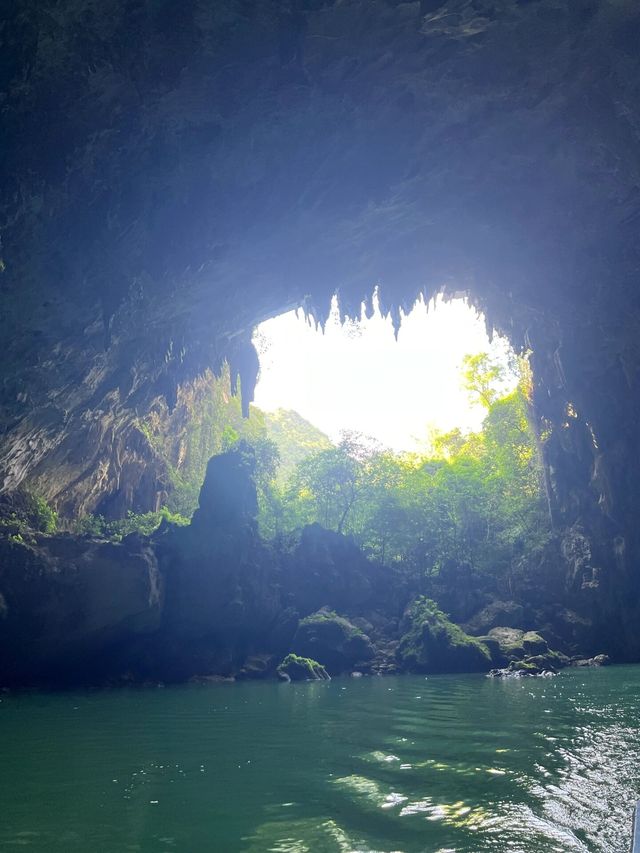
358, 377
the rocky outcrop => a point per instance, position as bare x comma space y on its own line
74, 610
334, 641
296, 668
223, 601
432, 643
509, 614
320, 566
213, 600
173, 173
513, 650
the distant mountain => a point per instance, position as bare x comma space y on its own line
295, 438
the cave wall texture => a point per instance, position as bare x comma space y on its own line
174, 171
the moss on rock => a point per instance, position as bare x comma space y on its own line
432, 643
334, 640
297, 668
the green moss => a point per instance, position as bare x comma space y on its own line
433, 643
334, 640
534, 644
324, 616
299, 668
524, 666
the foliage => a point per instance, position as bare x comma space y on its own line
475, 498
483, 377
44, 517
472, 498
26, 511
145, 524
208, 420
295, 438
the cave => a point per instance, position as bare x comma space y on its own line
175, 173
360, 375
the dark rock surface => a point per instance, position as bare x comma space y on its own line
313, 573
334, 641
214, 600
72, 610
509, 614
173, 173
208, 600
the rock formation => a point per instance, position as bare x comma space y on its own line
174, 172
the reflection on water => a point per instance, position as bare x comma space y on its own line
447, 764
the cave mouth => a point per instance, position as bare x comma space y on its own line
396, 383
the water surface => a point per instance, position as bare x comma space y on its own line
391, 765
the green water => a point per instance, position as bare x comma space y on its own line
448, 763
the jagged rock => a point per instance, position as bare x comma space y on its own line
297, 668
459, 590
520, 672
333, 640
431, 643
228, 495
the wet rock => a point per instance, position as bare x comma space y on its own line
432, 643
257, 667
520, 672
298, 668
334, 640
598, 660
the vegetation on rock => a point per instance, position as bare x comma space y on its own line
332, 639
432, 643
144, 523
24, 511
297, 668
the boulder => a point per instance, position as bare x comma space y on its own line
432, 643
333, 640
324, 568
534, 644
507, 644
297, 668
598, 660
509, 614
228, 495
256, 667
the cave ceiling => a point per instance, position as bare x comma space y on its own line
174, 172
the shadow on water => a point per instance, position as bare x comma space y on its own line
392, 765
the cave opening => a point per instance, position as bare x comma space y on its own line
398, 384
414, 437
